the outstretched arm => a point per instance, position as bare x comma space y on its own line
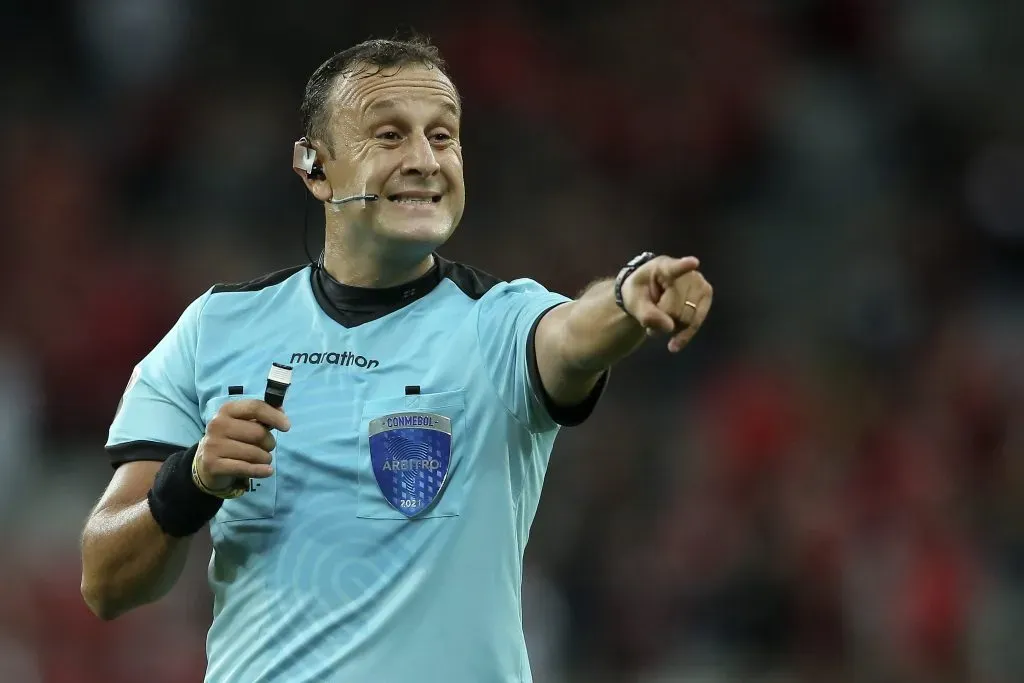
576, 342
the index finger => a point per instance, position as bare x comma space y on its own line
261, 411
676, 268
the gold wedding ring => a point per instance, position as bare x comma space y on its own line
691, 305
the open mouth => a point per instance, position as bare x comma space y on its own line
414, 198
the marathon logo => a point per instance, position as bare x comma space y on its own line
332, 358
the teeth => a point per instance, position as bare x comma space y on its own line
414, 200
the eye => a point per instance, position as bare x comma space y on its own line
441, 138
389, 135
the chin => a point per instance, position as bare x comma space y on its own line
429, 233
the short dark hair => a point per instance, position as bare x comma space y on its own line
368, 57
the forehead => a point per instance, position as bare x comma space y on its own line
395, 89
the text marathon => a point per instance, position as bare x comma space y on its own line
333, 358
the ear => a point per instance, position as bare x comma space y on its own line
304, 163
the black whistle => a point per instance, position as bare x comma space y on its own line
278, 380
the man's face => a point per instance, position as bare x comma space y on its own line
396, 134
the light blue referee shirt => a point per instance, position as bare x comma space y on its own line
388, 545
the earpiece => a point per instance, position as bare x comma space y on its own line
304, 159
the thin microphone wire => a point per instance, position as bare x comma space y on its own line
305, 230
353, 198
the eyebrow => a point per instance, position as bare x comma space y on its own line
385, 105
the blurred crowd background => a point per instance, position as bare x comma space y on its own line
826, 487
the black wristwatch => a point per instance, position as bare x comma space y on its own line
626, 271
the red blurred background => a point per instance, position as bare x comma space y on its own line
827, 486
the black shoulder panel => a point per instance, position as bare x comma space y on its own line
473, 282
262, 282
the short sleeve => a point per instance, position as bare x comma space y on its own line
159, 412
507, 318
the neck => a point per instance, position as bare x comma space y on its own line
373, 265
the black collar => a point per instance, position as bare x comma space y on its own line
351, 306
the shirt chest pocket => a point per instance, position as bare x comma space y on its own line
260, 500
410, 455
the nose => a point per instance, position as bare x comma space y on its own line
419, 157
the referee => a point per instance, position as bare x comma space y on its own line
372, 527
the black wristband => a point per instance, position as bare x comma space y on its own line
177, 504
626, 271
